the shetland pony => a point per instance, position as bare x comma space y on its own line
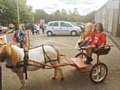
12, 54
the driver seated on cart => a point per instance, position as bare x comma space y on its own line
98, 42
88, 37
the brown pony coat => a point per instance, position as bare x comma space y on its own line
12, 54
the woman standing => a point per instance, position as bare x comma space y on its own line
38, 29
20, 36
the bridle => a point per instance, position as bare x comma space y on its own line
3, 55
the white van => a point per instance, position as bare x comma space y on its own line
62, 28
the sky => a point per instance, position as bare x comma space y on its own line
49, 6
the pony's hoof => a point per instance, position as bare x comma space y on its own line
62, 78
22, 88
53, 78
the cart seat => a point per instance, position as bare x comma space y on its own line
81, 48
102, 51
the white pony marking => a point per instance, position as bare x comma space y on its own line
13, 55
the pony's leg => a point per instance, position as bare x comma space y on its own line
55, 73
62, 77
20, 75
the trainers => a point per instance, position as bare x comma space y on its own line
89, 60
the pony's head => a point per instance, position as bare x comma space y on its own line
8, 53
5, 51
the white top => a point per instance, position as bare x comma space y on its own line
38, 27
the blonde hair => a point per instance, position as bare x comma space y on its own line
88, 24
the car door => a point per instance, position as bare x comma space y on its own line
56, 28
64, 28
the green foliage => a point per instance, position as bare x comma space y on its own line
90, 17
63, 15
9, 15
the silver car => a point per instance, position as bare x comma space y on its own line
62, 28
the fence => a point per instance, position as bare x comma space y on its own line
8, 38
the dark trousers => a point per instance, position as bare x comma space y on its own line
32, 30
21, 44
37, 32
43, 30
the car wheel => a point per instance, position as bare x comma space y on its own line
73, 33
49, 33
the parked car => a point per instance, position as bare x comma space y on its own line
79, 24
3, 29
62, 28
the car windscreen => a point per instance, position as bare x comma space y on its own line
50, 24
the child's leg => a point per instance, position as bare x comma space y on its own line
89, 53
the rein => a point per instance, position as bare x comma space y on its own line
26, 61
26, 57
45, 54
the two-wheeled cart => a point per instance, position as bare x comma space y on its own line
98, 71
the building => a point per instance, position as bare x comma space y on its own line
109, 16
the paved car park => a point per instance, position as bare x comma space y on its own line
74, 80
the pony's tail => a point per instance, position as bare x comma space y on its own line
58, 55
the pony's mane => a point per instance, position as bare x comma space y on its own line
12, 53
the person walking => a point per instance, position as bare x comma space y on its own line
42, 27
17, 32
20, 36
32, 29
37, 29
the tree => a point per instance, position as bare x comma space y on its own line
70, 16
56, 15
76, 11
64, 15
40, 14
10, 11
90, 17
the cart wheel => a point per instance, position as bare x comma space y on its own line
82, 55
98, 72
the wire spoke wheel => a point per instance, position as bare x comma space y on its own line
98, 72
82, 55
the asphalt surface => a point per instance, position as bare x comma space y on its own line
74, 80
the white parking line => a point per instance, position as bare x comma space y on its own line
53, 40
63, 44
